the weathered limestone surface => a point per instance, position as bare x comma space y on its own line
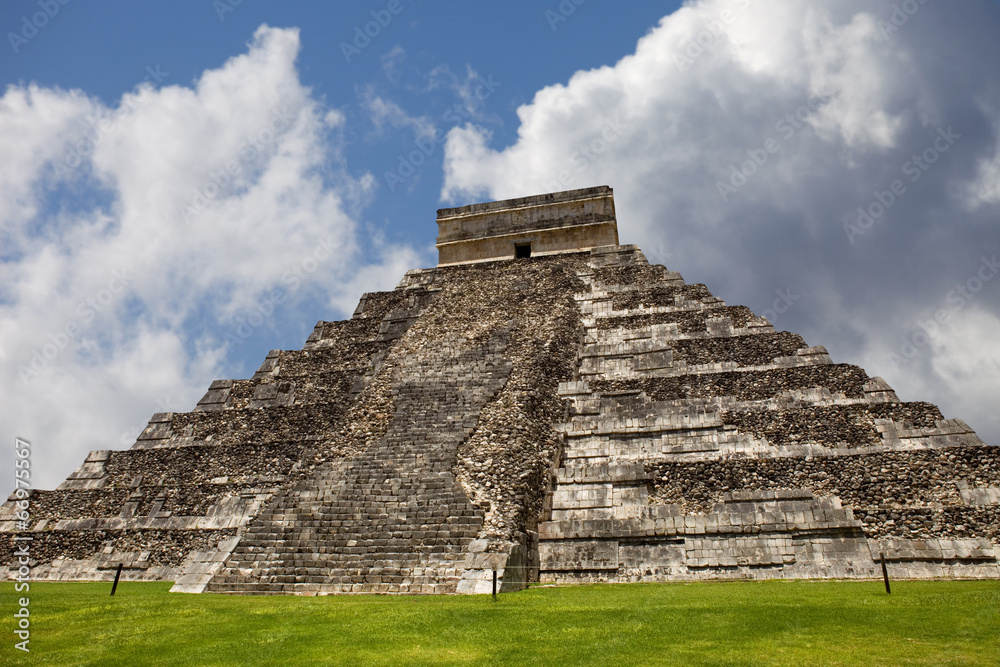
576, 416
702, 444
553, 223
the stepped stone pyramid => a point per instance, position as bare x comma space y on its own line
544, 404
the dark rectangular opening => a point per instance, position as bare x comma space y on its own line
522, 250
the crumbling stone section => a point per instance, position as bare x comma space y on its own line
687, 321
929, 478
570, 413
78, 504
165, 547
847, 426
241, 463
94, 555
921, 495
924, 523
644, 278
756, 350
658, 296
232, 427
743, 385
195, 500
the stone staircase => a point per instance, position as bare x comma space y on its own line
391, 519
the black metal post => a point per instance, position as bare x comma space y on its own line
885, 572
118, 573
494, 585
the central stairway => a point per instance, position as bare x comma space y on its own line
392, 518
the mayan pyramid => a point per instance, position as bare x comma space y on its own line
545, 404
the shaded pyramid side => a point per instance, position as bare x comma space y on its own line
192, 481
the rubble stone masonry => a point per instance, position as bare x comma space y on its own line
577, 415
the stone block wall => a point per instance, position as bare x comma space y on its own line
553, 223
699, 443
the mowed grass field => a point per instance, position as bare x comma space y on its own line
716, 623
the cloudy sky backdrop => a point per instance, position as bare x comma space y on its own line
185, 186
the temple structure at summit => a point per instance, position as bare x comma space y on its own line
546, 404
530, 227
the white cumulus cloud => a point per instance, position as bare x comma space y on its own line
137, 237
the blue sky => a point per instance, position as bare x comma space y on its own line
189, 184
417, 61
105, 49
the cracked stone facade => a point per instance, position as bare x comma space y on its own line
577, 415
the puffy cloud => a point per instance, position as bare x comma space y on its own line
136, 238
831, 162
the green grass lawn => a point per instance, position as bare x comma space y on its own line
739, 623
